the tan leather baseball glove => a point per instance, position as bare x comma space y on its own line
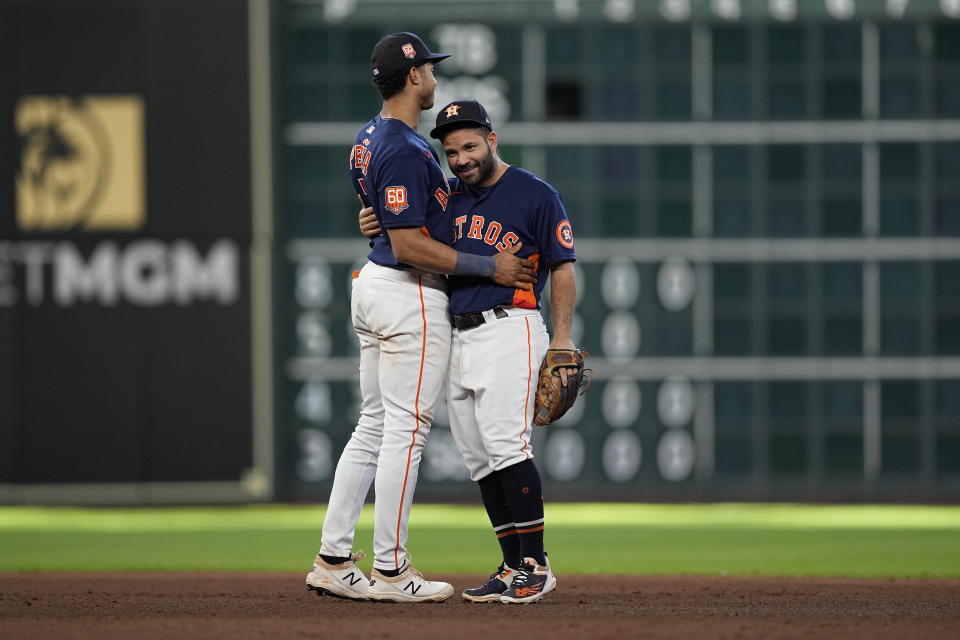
553, 397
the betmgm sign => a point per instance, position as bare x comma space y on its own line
81, 164
82, 170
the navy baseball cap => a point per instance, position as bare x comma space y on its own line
459, 114
401, 50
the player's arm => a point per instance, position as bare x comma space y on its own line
563, 296
412, 246
429, 255
369, 226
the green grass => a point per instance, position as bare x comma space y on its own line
734, 539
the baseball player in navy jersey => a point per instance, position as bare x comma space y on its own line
400, 311
499, 339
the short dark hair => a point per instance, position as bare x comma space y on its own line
391, 84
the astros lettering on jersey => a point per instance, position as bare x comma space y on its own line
518, 208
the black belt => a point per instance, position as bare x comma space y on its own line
471, 320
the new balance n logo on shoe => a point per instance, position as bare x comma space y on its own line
349, 577
524, 592
413, 589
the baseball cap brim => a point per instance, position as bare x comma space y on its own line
462, 123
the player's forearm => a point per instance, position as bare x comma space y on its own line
411, 246
563, 296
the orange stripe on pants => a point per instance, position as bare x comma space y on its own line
526, 402
416, 408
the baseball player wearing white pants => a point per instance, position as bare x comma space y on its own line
493, 379
500, 339
401, 319
399, 309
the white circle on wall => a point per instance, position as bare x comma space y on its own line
313, 283
675, 455
675, 402
621, 402
620, 283
621, 336
619, 10
316, 461
622, 456
313, 402
312, 334
564, 455
675, 284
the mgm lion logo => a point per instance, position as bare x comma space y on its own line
82, 163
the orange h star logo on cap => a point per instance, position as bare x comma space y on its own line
453, 110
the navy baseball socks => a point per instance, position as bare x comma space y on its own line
334, 559
524, 494
523, 490
513, 498
495, 502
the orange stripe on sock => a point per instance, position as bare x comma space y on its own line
504, 534
413, 438
530, 530
526, 402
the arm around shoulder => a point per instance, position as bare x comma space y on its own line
411, 245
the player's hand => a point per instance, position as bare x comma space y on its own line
518, 273
564, 344
369, 226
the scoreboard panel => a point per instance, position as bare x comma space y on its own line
766, 198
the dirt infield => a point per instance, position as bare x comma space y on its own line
204, 605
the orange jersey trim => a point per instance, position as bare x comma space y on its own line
527, 299
424, 231
413, 437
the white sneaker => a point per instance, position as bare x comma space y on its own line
409, 586
344, 580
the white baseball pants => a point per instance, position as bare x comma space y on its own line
401, 318
494, 369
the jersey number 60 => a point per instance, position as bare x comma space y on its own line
396, 198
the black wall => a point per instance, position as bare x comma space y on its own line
131, 392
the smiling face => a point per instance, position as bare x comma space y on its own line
472, 156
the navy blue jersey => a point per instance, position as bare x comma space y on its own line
520, 207
395, 170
